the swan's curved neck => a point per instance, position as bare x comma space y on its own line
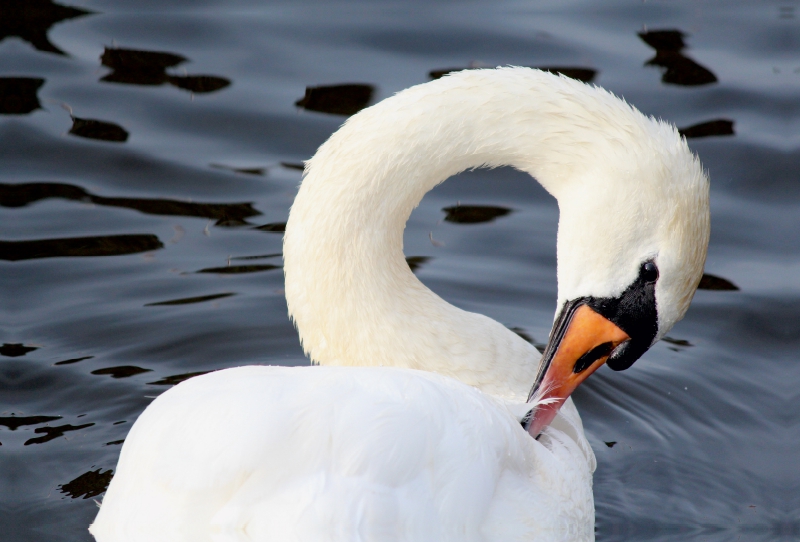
348, 287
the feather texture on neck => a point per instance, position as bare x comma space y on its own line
349, 290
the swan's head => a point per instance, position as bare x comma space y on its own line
632, 240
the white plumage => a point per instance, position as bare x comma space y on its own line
321, 453
385, 451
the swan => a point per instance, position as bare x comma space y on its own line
420, 425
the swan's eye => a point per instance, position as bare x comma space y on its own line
649, 272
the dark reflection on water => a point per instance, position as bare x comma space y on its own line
713, 282
226, 214
51, 433
31, 20
20, 195
15, 422
337, 99
98, 129
697, 441
190, 300
274, 227
199, 84
676, 342
679, 69
123, 371
15, 350
718, 127
87, 485
238, 269
72, 360
415, 262
176, 379
149, 68
134, 67
474, 214
244, 170
109, 245
257, 257
18, 95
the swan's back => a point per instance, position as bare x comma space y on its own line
343, 454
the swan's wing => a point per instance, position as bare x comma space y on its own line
271, 453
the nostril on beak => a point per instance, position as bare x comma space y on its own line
586, 360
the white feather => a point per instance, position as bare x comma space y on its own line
318, 453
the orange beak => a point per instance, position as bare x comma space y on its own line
577, 348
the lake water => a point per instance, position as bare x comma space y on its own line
148, 154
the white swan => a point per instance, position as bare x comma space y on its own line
393, 453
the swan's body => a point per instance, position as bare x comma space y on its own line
325, 454
395, 454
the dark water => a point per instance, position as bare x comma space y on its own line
141, 229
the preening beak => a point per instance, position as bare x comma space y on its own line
580, 343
